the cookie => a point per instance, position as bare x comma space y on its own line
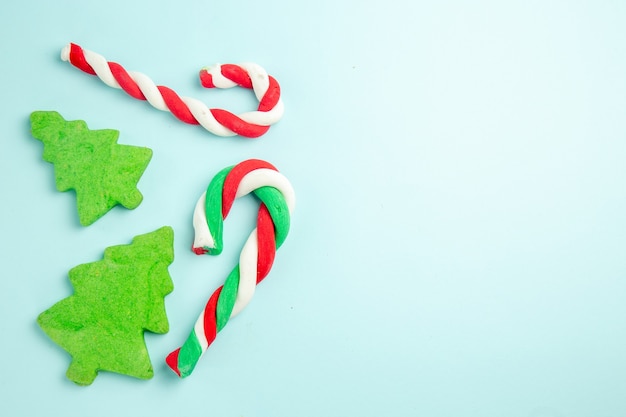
115, 300
102, 172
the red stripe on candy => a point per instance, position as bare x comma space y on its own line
206, 79
210, 319
238, 125
77, 58
271, 97
125, 81
234, 177
172, 361
176, 105
237, 75
199, 251
266, 240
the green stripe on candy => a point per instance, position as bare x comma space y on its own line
188, 354
279, 211
213, 210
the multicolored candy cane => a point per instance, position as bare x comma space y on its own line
189, 110
257, 256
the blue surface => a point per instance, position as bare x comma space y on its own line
458, 245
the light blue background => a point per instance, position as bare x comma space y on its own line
458, 244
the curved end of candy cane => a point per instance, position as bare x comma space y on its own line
65, 52
206, 78
212, 77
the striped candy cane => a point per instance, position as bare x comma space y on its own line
189, 110
257, 256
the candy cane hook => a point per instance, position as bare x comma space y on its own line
257, 256
189, 110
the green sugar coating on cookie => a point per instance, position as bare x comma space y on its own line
115, 300
102, 172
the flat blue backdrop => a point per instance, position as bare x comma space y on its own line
458, 244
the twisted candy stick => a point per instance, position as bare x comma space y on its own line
189, 110
278, 201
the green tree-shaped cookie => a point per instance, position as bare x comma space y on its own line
115, 299
102, 172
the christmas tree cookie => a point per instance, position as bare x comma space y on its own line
102, 172
115, 299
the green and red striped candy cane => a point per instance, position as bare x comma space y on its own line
257, 255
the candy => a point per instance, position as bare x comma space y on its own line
189, 110
257, 255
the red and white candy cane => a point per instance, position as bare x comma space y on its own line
189, 110
257, 255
